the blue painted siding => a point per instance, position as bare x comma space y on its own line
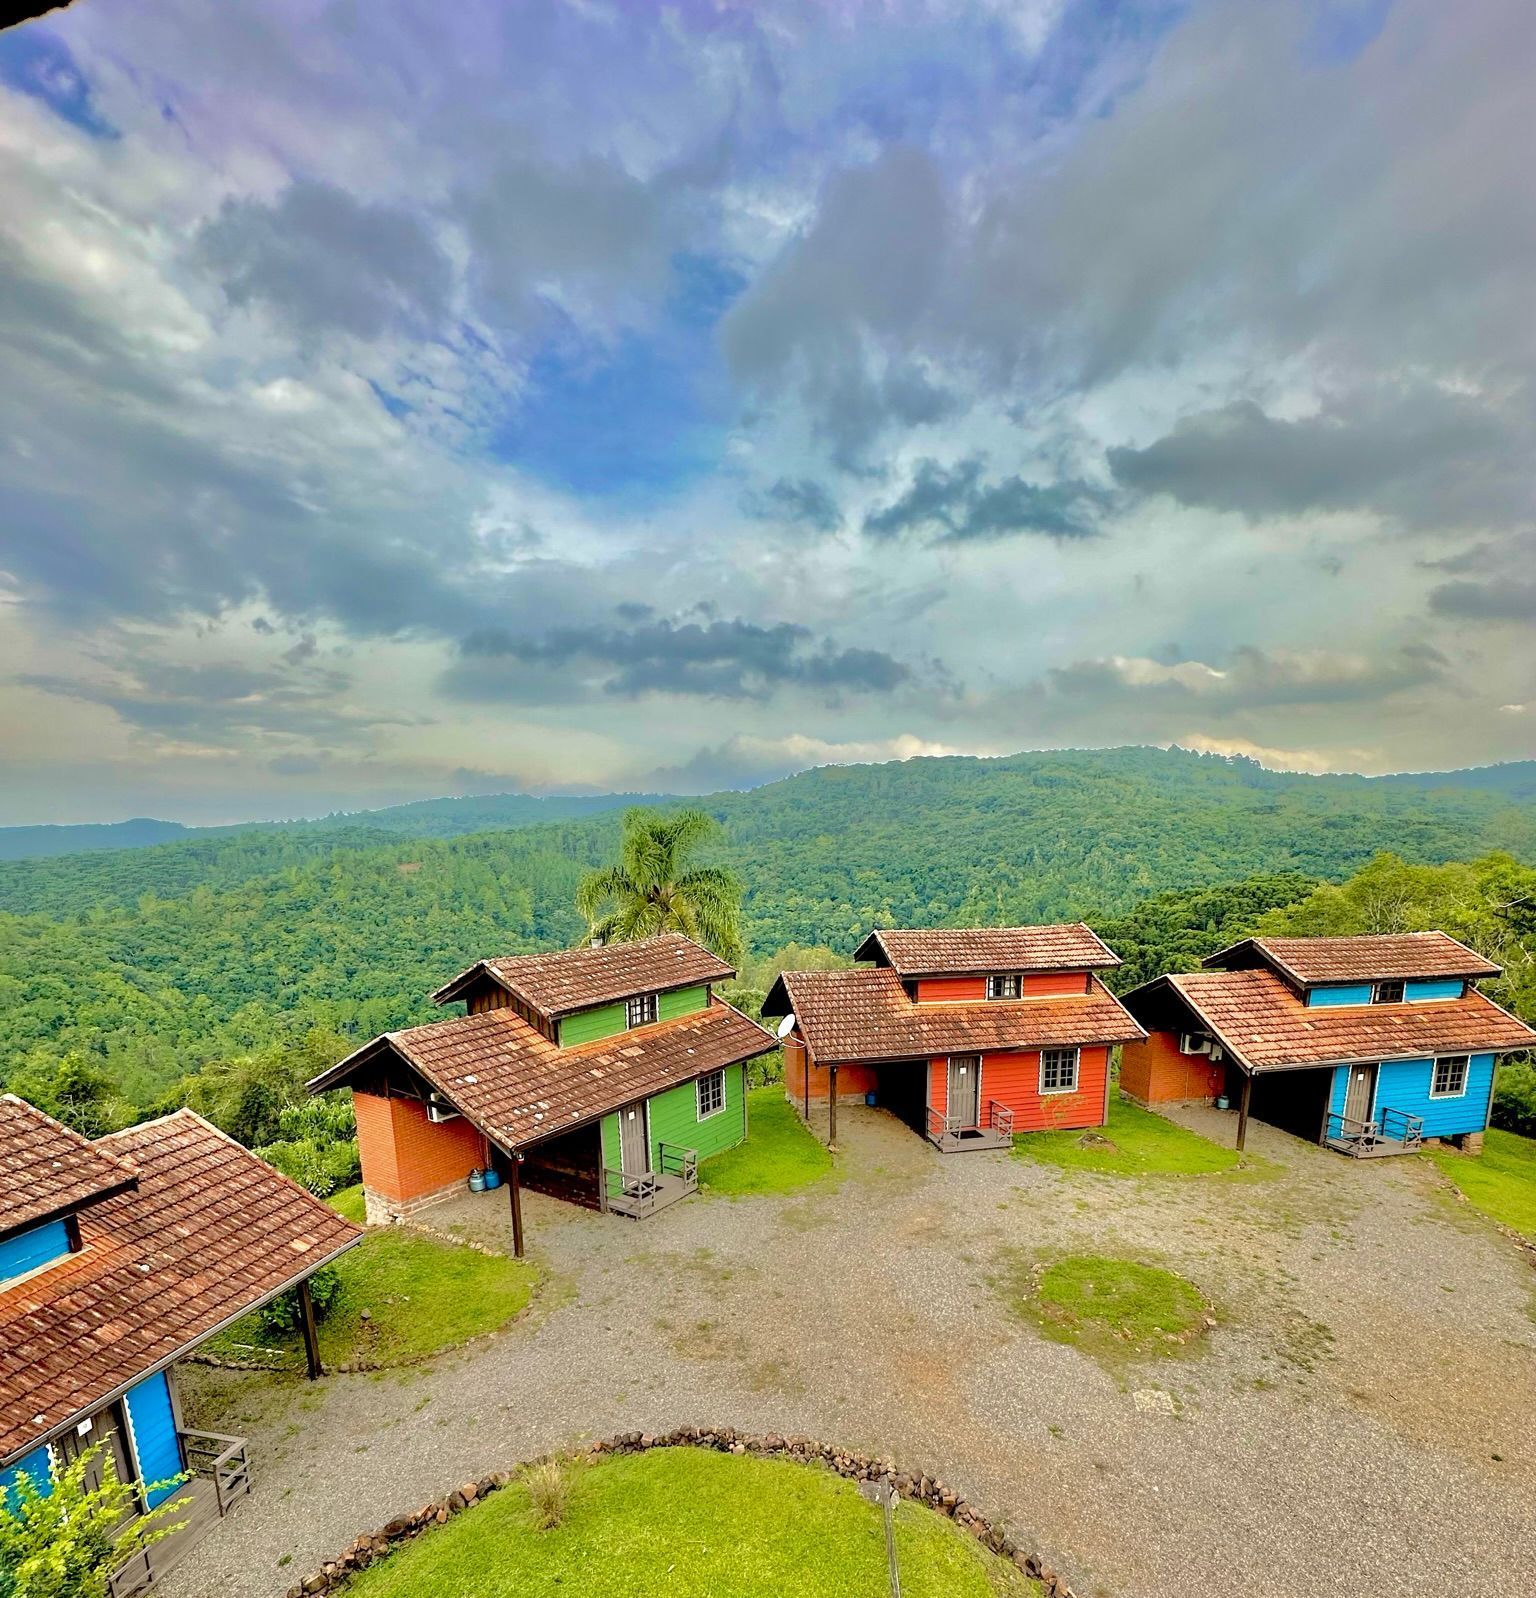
1418, 992
1404, 1085
35, 1465
1340, 1087
27, 1250
154, 1434
1352, 993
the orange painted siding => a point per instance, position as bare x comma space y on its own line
1013, 1079
1054, 984
1156, 1073
404, 1155
951, 990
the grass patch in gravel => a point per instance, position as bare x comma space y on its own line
1136, 1142
1110, 1308
691, 1524
403, 1296
1501, 1181
779, 1156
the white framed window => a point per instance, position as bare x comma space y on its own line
640, 1010
1058, 1070
711, 1088
1450, 1077
1008, 986
1388, 993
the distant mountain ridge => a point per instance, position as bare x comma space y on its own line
448, 817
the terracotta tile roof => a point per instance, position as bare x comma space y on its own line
942, 951
562, 980
517, 1087
210, 1233
1262, 1022
866, 1015
46, 1169
1367, 957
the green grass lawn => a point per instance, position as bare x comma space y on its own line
1501, 1181
403, 1296
1136, 1142
689, 1523
779, 1156
1107, 1307
348, 1201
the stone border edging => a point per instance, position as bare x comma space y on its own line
334, 1574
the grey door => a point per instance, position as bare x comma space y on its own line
634, 1156
1360, 1096
107, 1430
964, 1090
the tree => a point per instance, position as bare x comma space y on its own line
68, 1542
654, 889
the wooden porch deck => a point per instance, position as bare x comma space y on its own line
222, 1476
952, 1136
640, 1195
1392, 1132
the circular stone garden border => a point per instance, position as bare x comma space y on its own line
334, 1574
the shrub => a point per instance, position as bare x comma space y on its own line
283, 1315
1514, 1099
546, 1493
68, 1542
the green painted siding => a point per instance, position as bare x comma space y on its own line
675, 1118
611, 1141
681, 1001
604, 1020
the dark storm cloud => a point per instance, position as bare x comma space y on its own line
322, 259
1423, 457
1505, 600
714, 658
801, 501
951, 504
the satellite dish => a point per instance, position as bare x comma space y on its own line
786, 1026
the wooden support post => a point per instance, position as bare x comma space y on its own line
515, 1188
832, 1109
602, 1173
1242, 1110
311, 1336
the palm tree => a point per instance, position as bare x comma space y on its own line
652, 888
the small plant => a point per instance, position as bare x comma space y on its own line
546, 1485
282, 1315
68, 1542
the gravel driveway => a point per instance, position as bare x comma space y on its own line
1362, 1420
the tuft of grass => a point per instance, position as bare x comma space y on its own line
691, 1524
348, 1202
1110, 1308
779, 1156
403, 1296
546, 1494
1136, 1142
1501, 1181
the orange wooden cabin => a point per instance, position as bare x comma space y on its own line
969, 1036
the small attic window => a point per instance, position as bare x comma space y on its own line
1387, 993
1005, 986
640, 1010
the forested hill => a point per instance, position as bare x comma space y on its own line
157, 960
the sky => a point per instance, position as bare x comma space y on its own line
400, 399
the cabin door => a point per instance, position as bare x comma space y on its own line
1360, 1096
964, 1090
107, 1429
634, 1156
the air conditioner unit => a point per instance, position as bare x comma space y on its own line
1194, 1043
438, 1113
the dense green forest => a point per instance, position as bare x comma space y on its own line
146, 976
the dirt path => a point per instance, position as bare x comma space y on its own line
1360, 1421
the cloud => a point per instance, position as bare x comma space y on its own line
1493, 600
743, 761
952, 505
1421, 456
711, 658
1252, 678
799, 501
1310, 760
323, 259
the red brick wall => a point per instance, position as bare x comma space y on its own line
853, 1081
404, 1155
1156, 1073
